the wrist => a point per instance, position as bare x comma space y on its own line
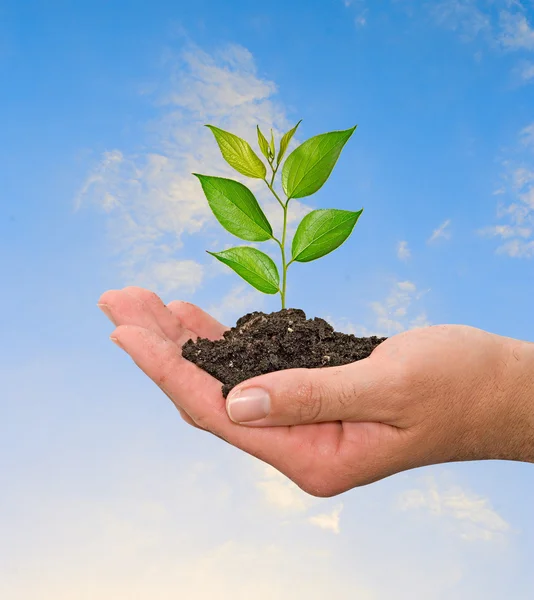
515, 426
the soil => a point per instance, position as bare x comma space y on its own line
261, 343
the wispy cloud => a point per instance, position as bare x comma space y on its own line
284, 496
497, 25
151, 200
466, 17
527, 135
396, 313
502, 23
517, 207
403, 252
359, 9
166, 276
516, 31
442, 232
240, 299
328, 521
526, 71
472, 516
281, 493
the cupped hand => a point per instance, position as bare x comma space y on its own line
426, 396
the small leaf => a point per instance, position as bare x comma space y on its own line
284, 142
238, 154
272, 147
322, 231
308, 167
253, 266
236, 208
263, 144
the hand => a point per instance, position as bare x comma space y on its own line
426, 396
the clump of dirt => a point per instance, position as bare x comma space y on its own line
261, 343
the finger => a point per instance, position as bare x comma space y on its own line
197, 320
195, 391
137, 306
169, 324
354, 392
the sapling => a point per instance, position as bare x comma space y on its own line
303, 173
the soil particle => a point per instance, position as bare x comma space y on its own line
261, 343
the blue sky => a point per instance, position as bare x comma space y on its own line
105, 490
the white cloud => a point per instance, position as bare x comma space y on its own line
473, 517
281, 493
403, 252
518, 190
240, 299
516, 31
441, 232
287, 498
183, 275
507, 231
463, 16
527, 135
525, 71
328, 521
392, 315
517, 249
501, 25
151, 200
359, 9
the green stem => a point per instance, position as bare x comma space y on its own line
282, 244
284, 265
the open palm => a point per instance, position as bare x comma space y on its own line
321, 458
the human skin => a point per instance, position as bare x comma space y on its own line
427, 396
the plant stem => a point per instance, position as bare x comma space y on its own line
284, 265
282, 243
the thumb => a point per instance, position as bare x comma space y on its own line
297, 396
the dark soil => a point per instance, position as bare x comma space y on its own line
261, 343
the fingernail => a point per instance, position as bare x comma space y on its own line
106, 310
249, 404
116, 341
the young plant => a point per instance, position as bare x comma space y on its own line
304, 172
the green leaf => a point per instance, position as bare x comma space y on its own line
322, 231
308, 167
272, 147
253, 266
236, 208
284, 142
263, 144
238, 154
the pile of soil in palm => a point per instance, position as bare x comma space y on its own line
261, 343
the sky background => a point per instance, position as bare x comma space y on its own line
105, 492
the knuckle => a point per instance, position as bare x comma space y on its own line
203, 421
210, 419
308, 400
404, 375
166, 365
